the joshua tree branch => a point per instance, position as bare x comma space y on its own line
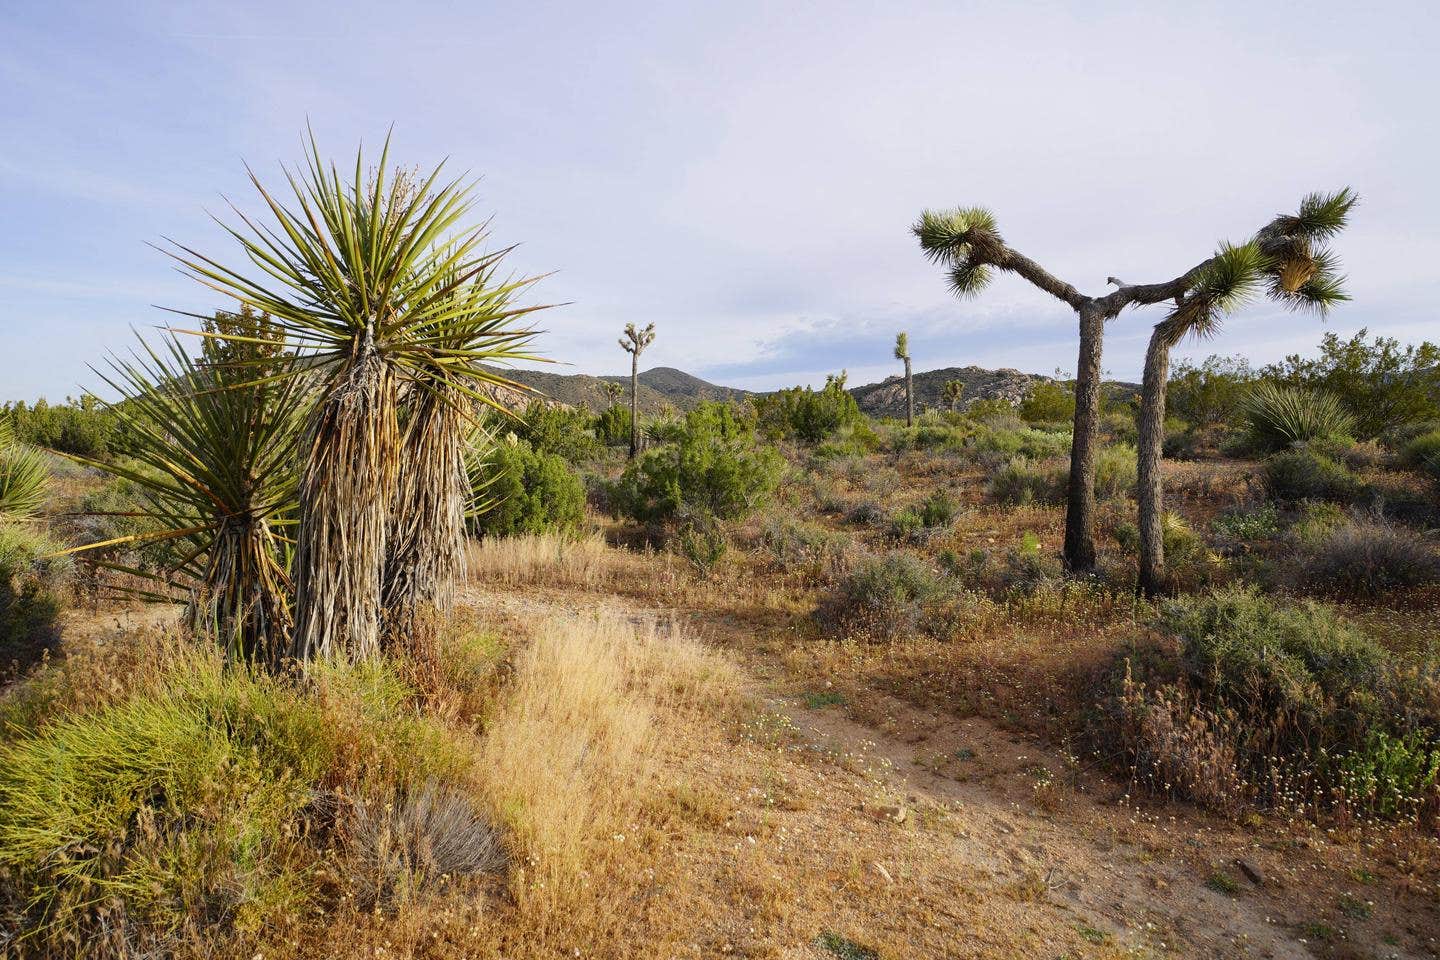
1015, 262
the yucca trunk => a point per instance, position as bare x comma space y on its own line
244, 603
1080, 501
634, 404
909, 396
426, 549
1150, 489
345, 498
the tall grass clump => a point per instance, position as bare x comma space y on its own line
1363, 557
575, 742
1305, 473
1022, 481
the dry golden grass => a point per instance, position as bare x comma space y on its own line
546, 559
571, 753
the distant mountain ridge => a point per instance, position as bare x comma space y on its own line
664, 387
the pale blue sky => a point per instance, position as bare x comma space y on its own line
742, 173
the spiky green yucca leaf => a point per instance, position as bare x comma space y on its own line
1226, 282
24, 477
1281, 416
215, 464
902, 346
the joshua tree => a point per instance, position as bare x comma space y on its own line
902, 352
968, 243
954, 390
612, 390
375, 284
1288, 260
634, 343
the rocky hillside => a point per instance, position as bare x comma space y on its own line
887, 398
659, 387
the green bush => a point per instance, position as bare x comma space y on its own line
886, 596
1115, 471
806, 414
1022, 442
715, 469
1423, 453
612, 426
32, 587
1022, 482
1307, 474
1281, 417
1248, 524
529, 492
567, 432
1292, 700
196, 802
1049, 401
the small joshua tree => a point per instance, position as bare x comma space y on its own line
634, 343
954, 390
902, 352
967, 242
612, 390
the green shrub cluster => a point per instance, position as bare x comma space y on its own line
807, 414
528, 491
1300, 705
32, 587
1022, 481
715, 468
1306, 473
202, 803
567, 432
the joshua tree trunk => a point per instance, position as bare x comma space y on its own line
345, 497
909, 396
634, 404
1150, 490
1080, 512
426, 548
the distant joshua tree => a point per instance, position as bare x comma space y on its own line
612, 390
902, 352
954, 390
967, 242
634, 343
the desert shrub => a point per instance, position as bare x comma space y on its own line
1366, 556
566, 432
529, 492
1022, 481
1049, 401
1021, 442
1381, 383
32, 586
1279, 417
715, 468
1115, 471
806, 414
196, 803
1248, 524
702, 541
1120, 425
1423, 453
1307, 474
1212, 392
806, 549
612, 426
886, 596
866, 513
80, 426
1301, 705
1027, 568
401, 844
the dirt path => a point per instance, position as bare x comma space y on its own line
1032, 843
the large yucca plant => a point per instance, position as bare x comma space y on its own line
1281, 416
215, 467
24, 477
371, 279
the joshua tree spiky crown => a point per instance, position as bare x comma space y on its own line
902, 346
